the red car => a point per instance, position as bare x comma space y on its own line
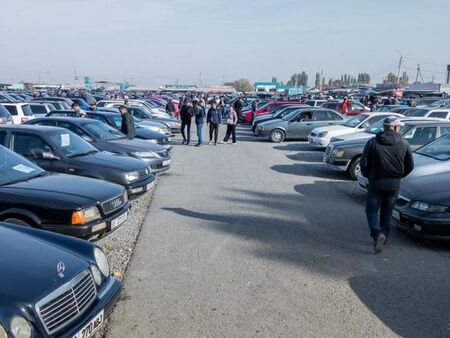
268, 109
354, 107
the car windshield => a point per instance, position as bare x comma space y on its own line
417, 112
378, 126
116, 119
438, 149
354, 121
14, 168
72, 145
103, 131
290, 116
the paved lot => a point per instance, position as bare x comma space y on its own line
260, 239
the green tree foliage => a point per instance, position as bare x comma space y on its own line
298, 79
317, 82
241, 85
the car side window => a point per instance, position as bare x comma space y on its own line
2, 137
422, 135
29, 145
71, 127
12, 110
96, 117
136, 113
439, 114
321, 115
38, 109
445, 130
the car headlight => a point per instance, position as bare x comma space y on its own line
85, 215
152, 140
3, 333
20, 328
132, 176
96, 274
148, 154
338, 153
102, 261
260, 127
422, 206
322, 134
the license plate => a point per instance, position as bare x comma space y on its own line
116, 222
166, 162
92, 327
362, 181
396, 215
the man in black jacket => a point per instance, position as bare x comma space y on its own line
187, 111
387, 158
127, 126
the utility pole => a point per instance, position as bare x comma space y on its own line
419, 73
399, 69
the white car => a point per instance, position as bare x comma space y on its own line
20, 112
321, 137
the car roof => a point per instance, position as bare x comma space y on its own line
426, 122
30, 127
75, 120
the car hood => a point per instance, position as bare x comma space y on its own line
126, 145
427, 188
273, 123
354, 136
334, 130
106, 160
77, 190
424, 165
351, 143
149, 134
30, 265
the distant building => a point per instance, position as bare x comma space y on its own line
275, 87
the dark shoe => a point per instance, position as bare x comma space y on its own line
183, 142
198, 144
379, 243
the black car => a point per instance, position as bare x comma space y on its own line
59, 150
115, 120
143, 114
346, 155
107, 138
68, 204
56, 286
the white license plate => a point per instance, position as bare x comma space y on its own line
166, 162
396, 215
362, 181
119, 220
150, 186
92, 327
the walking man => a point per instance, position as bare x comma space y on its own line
238, 108
387, 158
232, 120
199, 112
213, 119
345, 106
127, 126
186, 118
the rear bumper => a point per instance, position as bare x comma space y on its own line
92, 230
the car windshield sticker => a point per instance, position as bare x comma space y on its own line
65, 140
23, 168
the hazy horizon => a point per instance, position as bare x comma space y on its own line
161, 42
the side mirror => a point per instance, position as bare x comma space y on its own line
48, 155
87, 138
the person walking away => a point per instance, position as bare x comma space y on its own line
345, 106
232, 120
127, 126
213, 119
387, 158
186, 118
199, 112
170, 108
238, 108
254, 109
76, 108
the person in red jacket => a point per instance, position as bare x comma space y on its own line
345, 106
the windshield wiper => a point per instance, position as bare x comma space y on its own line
83, 154
23, 179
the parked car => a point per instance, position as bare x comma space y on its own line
57, 286
107, 138
279, 113
298, 124
59, 150
321, 137
72, 205
315, 103
55, 99
59, 105
20, 112
268, 109
354, 107
115, 120
388, 108
346, 155
5, 116
442, 113
423, 206
41, 109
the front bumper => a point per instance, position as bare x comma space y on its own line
264, 132
339, 165
419, 224
158, 165
318, 142
106, 299
93, 230
140, 187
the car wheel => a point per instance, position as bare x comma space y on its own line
17, 222
277, 136
354, 168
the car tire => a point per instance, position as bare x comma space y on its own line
354, 168
17, 222
277, 136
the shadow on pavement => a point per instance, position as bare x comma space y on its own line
310, 169
405, 286
303, 146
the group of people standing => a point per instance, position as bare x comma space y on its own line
195, 109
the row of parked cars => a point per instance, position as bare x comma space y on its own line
65, 180
423, 206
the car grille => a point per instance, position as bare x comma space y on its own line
162, 153
66, 303
328, 151
114, 203
401, 201
144, 172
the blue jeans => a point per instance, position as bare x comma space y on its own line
199, 133
380, 202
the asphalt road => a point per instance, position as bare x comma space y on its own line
259, 239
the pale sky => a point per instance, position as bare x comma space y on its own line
154, 42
